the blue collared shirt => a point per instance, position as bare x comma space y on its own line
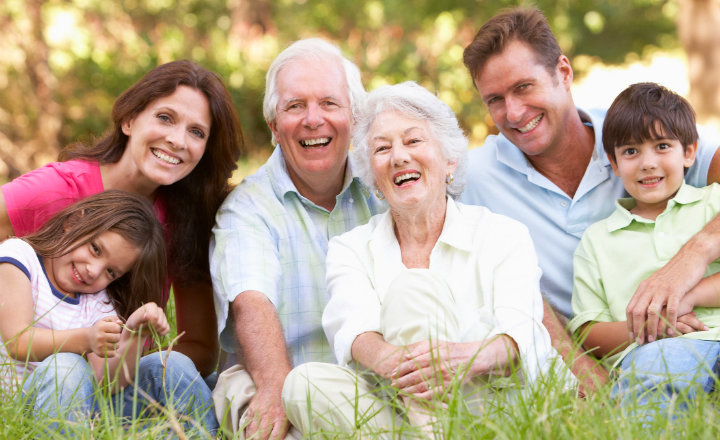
269, 238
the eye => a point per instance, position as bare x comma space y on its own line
523, 86
381, 148
164, 117
198, 133
329, 103
294, 107
493, 100
629, 151
94, 248
414, 141
662, 146
112, 274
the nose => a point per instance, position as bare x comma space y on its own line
399, 154
93, 270
313, 116
649, 161
514, 110
176, 136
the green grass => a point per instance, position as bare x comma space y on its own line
550, 412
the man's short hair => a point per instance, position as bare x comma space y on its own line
318, 50
526, 25
648, 111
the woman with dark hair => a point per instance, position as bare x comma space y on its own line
175, 139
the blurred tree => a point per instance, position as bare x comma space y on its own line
699, 30
64, 61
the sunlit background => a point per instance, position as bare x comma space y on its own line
63, 62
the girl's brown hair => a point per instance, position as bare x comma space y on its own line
129, 215
190, 203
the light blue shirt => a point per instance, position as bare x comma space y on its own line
501, 178
269, 238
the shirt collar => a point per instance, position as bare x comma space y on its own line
622, 217
454, 232
512, 156
283, 184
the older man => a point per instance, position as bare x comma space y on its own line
272, 232
547, 167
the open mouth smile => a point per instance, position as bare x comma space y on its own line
165, 157
530, 125
403, 178
76, 274
315, 143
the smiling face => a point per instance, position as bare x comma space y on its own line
313, 121
90, 267
166, 140
407, 162
529, 105
652, 172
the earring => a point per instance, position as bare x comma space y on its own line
379, 194
449, 178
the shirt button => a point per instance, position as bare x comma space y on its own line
563, 203
352, 201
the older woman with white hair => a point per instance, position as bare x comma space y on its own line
427, 293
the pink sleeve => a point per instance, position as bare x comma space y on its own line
34, 197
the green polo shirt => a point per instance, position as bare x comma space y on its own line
616, 254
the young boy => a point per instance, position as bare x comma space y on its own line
650, 137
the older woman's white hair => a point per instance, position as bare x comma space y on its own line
318, 50
411, 100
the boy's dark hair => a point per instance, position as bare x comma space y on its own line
648, 111
526, 25
129, 215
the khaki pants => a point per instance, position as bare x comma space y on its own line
329, 398
232, 394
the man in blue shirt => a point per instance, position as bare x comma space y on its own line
547, 168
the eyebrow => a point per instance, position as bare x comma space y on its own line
404, 133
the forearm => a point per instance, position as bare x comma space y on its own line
605, 338
372, 351
706, 293
35, 344
261, 340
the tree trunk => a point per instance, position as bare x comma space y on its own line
699, 32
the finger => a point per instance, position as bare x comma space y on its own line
636, 315
673, 302
279, 430
690, 320
653, 317
683, 328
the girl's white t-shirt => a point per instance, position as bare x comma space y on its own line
52, 309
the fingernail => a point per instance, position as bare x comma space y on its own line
651, 338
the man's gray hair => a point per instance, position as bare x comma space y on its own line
414, 101
318, 50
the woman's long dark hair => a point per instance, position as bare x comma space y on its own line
190, 203
129, 215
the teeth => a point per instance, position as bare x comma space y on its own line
313, 142
77, 274
164, 157
407, 176
530, 125
651, 181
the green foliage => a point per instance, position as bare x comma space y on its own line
88, 51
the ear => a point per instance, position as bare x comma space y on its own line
126, 126
613, 164
451, 167
273, 128
690, 152
564, 71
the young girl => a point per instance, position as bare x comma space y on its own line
63, 292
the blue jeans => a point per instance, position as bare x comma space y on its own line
64, 386
652, 374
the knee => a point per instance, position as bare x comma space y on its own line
68, 369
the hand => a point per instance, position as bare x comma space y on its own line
147, 316
427, 370
687, 322
267, 416
104, 335
662, 290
